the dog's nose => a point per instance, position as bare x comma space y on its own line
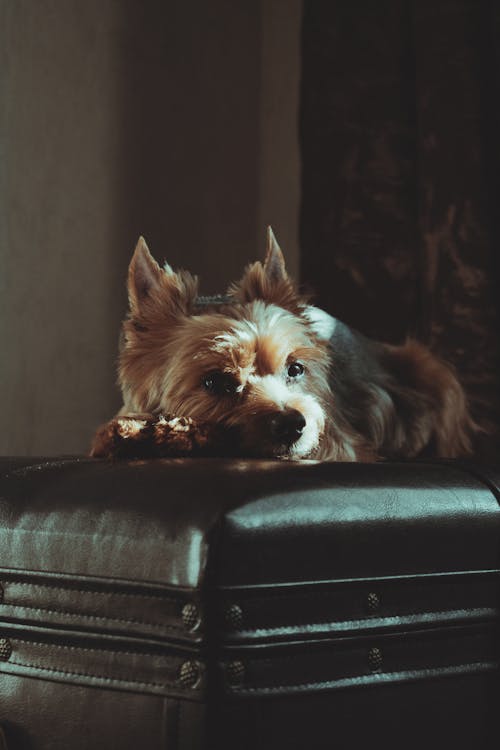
287, 426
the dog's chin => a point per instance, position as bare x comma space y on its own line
282, 451
288, 454
293, 452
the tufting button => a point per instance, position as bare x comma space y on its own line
233, 616
190, 674
191, 616
5, 649
375, 659
372, 602
235, 672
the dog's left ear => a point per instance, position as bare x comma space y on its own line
268, 281
274, 263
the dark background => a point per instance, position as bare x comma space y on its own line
365, 132
400, 128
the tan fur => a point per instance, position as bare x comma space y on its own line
171, 345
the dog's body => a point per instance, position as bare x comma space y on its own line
281, 376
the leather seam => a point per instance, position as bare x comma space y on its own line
78, 648
331, 595
92, 616
370, 618
69, 589
301, 685
95, 676
177, 722
179, 725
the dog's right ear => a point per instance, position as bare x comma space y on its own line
144, 276
155, 289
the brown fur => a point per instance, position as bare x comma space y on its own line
398, 403
430, 402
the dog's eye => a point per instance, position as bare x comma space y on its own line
219, 383
295, 370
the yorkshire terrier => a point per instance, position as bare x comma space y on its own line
281, 377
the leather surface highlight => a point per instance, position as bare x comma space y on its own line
81, 517
360, 521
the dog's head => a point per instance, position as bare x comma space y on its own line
256, 363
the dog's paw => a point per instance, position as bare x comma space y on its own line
131, 428
179, 436
162, 436
123, 437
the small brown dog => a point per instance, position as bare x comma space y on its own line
279, 376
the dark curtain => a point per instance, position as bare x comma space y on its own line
400, 139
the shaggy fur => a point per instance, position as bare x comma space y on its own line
277, 375
144, 436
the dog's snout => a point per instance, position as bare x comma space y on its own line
287, 427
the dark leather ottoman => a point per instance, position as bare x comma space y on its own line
205, 603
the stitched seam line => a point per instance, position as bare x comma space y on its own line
92, 616
333, 593
95, 676
93, 591
297, 600
285, 660
368, 619
79, 648
445, 668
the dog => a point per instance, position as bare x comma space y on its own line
282, 377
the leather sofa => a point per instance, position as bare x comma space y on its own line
210, 603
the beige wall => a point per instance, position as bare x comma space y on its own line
176, 120
279, 163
